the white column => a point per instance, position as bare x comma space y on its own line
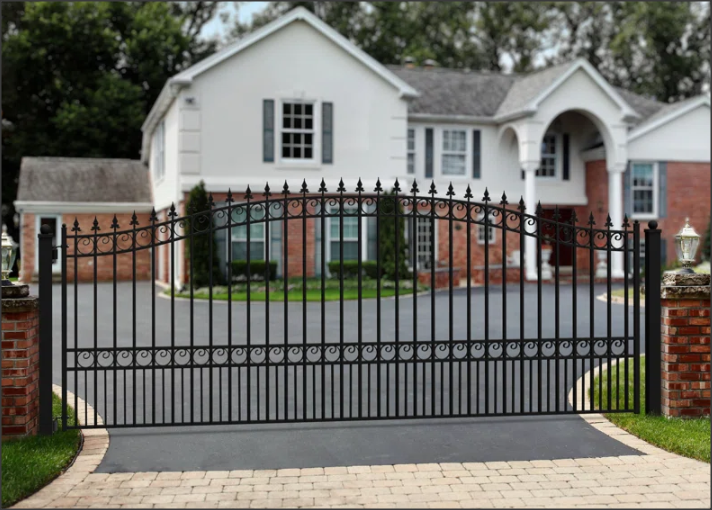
615, 209
529, 168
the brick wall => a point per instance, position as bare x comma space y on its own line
688, 195
20, 367
105, 263
685, 344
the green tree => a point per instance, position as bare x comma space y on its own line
657, 49
392, 261
200, 225
79, 77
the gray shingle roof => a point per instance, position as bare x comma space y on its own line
486, 94
48, 179
455, 92
527, 87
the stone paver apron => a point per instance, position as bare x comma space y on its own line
656, 479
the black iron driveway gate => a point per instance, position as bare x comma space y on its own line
374, 362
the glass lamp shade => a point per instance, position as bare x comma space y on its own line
686, 243
9, 252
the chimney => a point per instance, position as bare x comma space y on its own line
409, 62
429, 64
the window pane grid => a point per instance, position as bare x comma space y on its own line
547, 167
297, 130
454, 152
642, 188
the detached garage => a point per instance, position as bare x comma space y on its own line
54, 191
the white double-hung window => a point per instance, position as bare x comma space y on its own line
547, 168
454, 152
485, 235
643, 190
411, 151
350, 234
297, 130
257, 236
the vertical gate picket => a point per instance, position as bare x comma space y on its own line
451, 366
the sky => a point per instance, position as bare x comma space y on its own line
244, 13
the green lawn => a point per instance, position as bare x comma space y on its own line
31, 463
332, 290
631, 294
687, 437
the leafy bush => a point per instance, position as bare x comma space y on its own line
203, 266
369, 268
392, 215
258, 269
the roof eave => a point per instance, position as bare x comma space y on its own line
38, 206
160, 107
438, 117
525, 112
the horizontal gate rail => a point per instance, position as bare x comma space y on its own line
480, 350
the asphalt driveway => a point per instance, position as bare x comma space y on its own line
343, 443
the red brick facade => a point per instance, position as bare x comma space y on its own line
687, 196
685, 343
104, 263
20, 367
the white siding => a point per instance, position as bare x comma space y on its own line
686, 138
165, 190
370, 120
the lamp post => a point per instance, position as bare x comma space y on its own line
686, 243
9, 252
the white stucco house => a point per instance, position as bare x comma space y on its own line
295, 100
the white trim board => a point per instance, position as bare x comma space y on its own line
82, 207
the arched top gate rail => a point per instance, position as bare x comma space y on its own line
269, 206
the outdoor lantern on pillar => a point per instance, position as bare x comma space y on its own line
9, 252
686, 242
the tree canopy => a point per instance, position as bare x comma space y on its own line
79, 77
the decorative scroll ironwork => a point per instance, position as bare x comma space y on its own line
334, 353
354, 203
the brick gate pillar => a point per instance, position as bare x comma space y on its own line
20, 362
685, 344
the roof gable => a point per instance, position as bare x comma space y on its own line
299, 13
668, 113
528, 92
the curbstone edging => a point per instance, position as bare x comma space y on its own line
93, 447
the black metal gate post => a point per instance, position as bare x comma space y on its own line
653, 269
45, 329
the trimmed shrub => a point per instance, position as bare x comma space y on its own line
258, 269
368, 268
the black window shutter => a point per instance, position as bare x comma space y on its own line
476, 154
429, 152
327, 133
627, 198
268, 130
567, 161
